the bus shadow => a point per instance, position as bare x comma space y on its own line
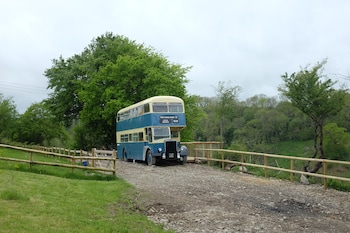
164, 163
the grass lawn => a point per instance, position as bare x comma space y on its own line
51, 202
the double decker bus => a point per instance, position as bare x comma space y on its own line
150, 130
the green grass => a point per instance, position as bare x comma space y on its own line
55, 201
300, 149
40, 203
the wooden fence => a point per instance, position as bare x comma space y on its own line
207, 155
105, 160
194, 148
94, 157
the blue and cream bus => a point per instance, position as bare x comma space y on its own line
150, 130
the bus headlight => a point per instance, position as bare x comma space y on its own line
160, 150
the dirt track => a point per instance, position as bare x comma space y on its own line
197, 198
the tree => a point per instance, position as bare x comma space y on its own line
208, 128
317, 99
194, 114
8, 115
112, 72
343, 117
38, 126
65, 79
297, 123
226, 102
336, 142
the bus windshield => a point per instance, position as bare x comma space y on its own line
161, 133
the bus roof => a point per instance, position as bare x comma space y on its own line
163, 98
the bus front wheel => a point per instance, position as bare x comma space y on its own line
184, 160
150, 159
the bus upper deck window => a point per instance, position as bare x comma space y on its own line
146, 108
160, 107
175, 107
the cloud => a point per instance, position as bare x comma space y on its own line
251, 43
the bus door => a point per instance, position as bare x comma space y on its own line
148, 134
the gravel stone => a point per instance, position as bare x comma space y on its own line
198, 198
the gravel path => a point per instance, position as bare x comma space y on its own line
198, 198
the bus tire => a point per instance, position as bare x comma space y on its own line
150, 159
184, 160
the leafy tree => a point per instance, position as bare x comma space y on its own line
111, 73
297, 123
317, 99
207, 130
194, 115
8, 115
343, 116
227, 102
38, 126
336, 142
65, 79
261, 101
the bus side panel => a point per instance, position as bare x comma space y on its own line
134, 123
133, 150
154, 119
154, 148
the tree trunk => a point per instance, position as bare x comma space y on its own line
318, 148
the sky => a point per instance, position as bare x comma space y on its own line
246, 43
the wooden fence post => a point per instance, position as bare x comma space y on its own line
195, 152
291, 168
93, 155
222, 160
208, 154
31, 160
114, 155
265, 164
325, 173
73, 162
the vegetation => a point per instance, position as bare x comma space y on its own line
40, 203
111, 73
317, 99
58, 201
8, 116
114, 71
311, 119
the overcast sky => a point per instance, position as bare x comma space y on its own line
250, 43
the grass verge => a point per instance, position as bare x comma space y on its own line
53, 199
41, 203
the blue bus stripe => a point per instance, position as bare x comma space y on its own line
152, 120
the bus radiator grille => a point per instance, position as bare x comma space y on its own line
170, 148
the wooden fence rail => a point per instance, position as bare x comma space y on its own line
209, 157
198, 151
72, 155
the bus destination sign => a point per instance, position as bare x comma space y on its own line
169, 119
